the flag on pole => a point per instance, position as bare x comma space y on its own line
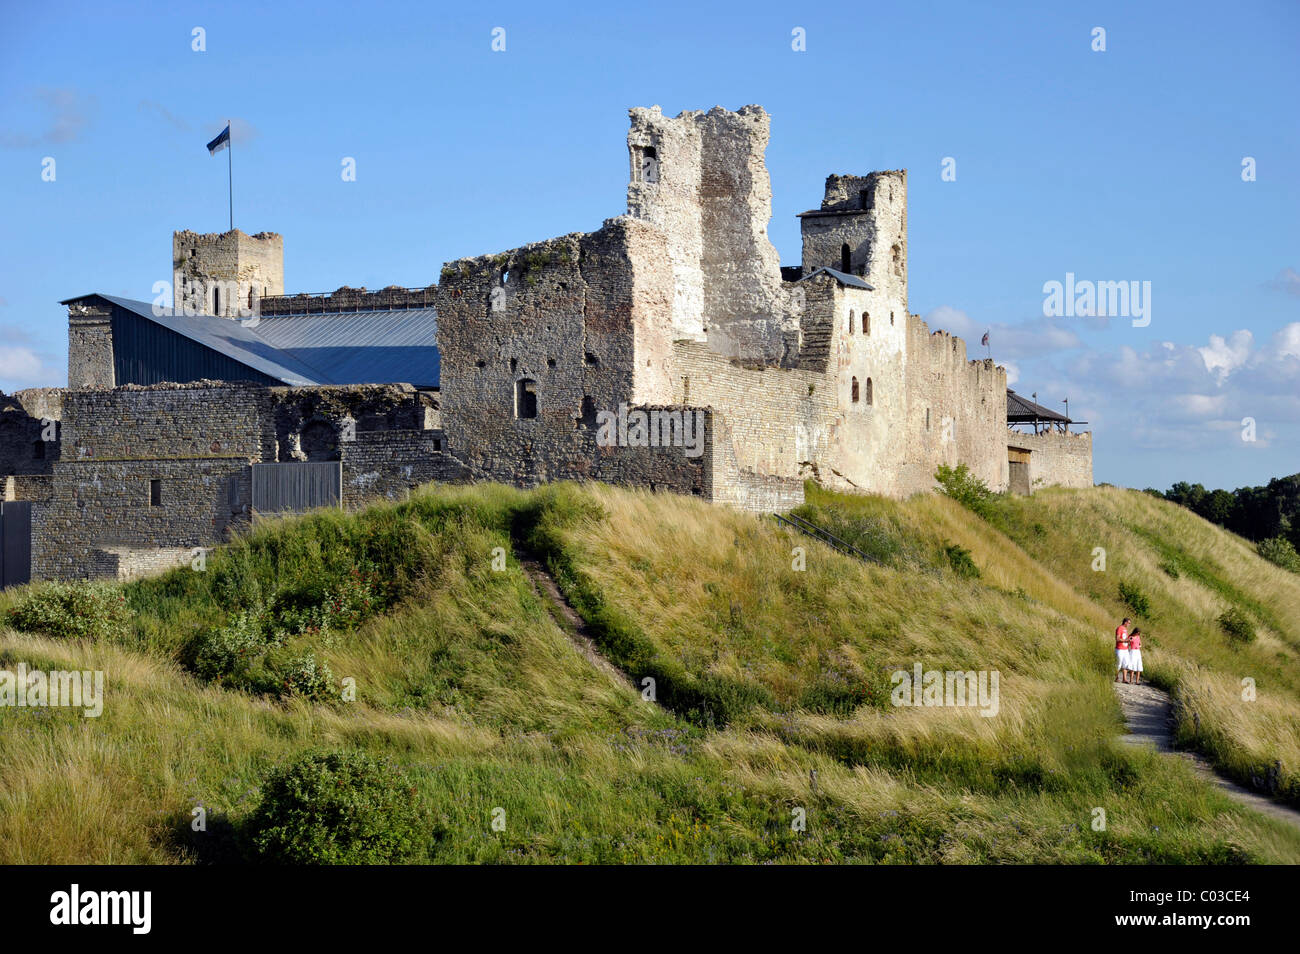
221, 142
985, 339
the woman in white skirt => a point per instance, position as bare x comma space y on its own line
1135, 655
1121, 651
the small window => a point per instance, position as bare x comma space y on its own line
845, 258
855, 390
525, 398
850, 321
155, 493
927, 418
866, 322
505, 276
862, 197
891, 317
216, 301
870, 396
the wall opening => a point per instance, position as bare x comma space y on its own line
866, 322
846, 259
155, 493
870, 396
525, 398
850, 321
855, 390
588, 415
216, 300
863, 199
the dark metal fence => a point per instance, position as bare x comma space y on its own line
15, 542
296, 487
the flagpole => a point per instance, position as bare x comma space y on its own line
230, 175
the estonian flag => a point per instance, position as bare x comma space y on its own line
221, 142
985, 339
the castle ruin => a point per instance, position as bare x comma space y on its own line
181, 425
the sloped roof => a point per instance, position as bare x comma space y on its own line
844, 278
1022, 409
374, 347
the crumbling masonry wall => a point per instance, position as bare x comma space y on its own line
239, 268
1056, 459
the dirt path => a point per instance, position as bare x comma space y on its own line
1149, 714
573, 625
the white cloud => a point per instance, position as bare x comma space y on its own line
1225, 356
22, 366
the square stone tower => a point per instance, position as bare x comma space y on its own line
225, 273
861, 229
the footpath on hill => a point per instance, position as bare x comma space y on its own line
1148, 712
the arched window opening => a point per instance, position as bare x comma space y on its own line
525, 398
216, 300
855, 390
866, 322
870, 396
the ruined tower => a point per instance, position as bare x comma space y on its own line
861, 229
701, 179
225, 273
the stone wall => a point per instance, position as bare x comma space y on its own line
1055, 458
388, 465
101, 505
90, 345
869, 214
29, 432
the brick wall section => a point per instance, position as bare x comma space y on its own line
1056, 459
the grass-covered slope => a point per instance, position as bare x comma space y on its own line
410, 632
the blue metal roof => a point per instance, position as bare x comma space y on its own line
373, 347
844, 278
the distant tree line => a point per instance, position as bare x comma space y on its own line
1270, 516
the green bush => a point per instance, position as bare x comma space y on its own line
1131, 595
341, 808
965, 488
1281, 551
959, 558
1237, 626
72, 610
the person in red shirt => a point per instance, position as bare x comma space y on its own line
1122, 650
1135, 655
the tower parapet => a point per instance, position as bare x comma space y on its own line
225, 273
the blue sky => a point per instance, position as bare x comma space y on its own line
1118, 165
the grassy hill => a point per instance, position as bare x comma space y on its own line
411, 632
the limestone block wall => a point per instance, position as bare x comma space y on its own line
1056, 459
957, 411
101, 505
387, 465
25, 426
203, 419
240, 269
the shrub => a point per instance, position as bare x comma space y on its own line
1237, 626
1132, 596
1170, 568
301, 674
1281, 551
336, 808
965, 488
959, 558
72, 610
